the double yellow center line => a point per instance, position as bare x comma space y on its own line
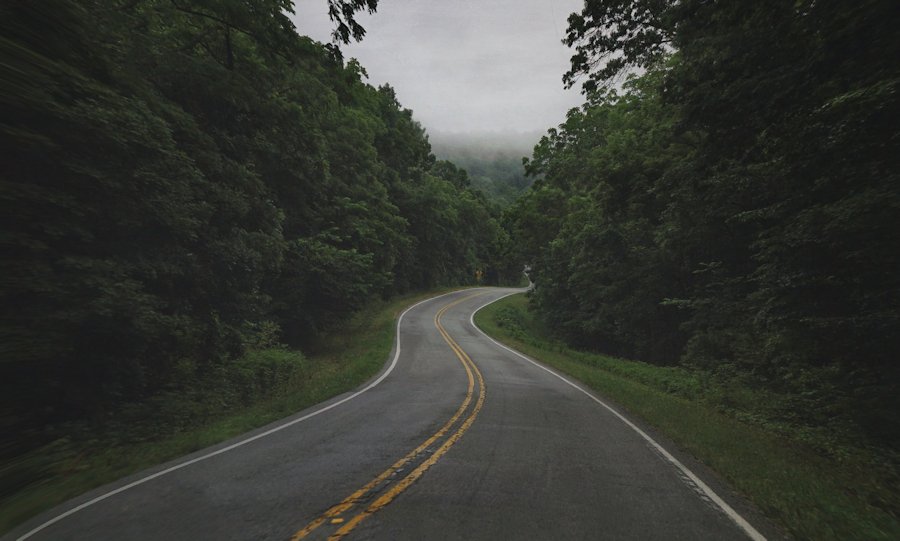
354, 506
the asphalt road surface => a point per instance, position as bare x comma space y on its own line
457, 438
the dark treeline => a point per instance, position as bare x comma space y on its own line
181, 178
736, 208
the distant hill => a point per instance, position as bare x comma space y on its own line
492, 160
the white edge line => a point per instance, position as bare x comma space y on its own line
240, 443
727, 509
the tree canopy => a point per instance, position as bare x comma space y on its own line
178, 175
734, 205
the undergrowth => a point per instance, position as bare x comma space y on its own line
818, 481
267, 383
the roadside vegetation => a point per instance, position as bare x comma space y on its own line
493, 162
193, 194
723, 207
185, 186
734, 207
269, 382
815, 486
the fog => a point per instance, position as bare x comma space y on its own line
465, 66
485, 144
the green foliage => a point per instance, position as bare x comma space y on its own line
818, 485
501, 177
184, 182
613, 36
493, 167
587, 226
267, 383
343, 12
734, 209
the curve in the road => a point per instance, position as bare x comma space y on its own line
554, 463
237, 444
696, 483
426, 456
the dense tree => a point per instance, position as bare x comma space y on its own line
177, 175
588, 225
493, 165
736, 208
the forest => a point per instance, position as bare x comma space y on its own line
188, 183
184, 180
727, 199
493, 162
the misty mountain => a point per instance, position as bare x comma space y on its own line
492, 160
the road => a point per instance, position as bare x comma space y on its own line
457, 438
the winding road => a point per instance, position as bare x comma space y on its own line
457, 438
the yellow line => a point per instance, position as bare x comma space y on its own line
395, 491
386, 498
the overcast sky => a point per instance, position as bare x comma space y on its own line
464, 65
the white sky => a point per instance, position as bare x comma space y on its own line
464, 65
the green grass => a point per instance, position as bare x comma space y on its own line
811, 493
263, 386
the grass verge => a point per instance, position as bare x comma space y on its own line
264, 386
813, 495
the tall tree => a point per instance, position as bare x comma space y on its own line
178, 174
769, 227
